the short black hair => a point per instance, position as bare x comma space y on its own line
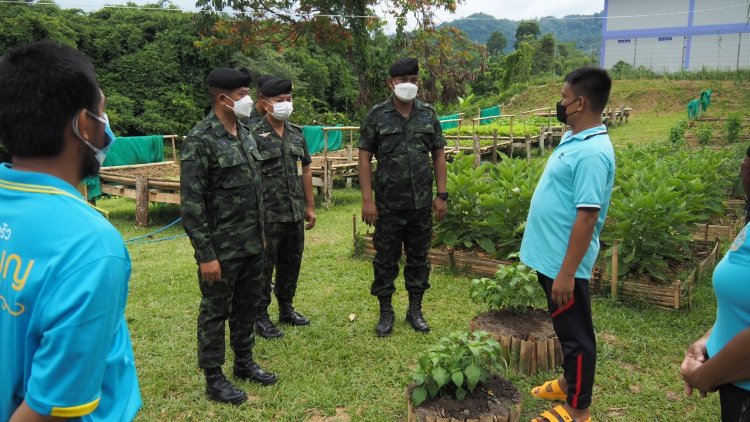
592, 83
42, 87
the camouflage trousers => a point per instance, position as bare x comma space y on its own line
413, 230
233, 298
284, 245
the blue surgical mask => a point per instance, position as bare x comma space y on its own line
101, 154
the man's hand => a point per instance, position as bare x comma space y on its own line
687, 369
698, 350
310, 218
369, 212
210, 271
439, 208
562, 288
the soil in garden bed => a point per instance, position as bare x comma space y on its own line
494, 397
533, 325
161, 172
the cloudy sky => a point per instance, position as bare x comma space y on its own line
508, 9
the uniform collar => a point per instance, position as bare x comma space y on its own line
580, 136
218, 126
265, 127
390, 105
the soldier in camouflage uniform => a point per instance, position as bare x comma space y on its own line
258, 112
402, 133
221, 201
288, 201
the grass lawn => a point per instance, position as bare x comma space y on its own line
337, 370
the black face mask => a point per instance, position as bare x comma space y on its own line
562, 115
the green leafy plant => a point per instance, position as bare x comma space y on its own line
677, 132
733, 127
703, 134
515, 287
456, 365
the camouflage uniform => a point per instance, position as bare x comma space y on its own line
403, 191
221, 201
252, 120
284, 201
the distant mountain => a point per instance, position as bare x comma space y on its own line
584, 30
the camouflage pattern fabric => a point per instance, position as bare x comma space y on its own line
252, 120
404, 175
220, 190
284, 247
413, 229
283, 198
233, 298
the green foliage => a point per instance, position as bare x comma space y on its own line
704, 134
489, 204
496, 43
526, 31
733, 127
515, 287
660, 193
456, 365
677, 132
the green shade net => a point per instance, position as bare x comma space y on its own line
487, 112
314, 137
126, 151
694, 109
706, 99
449, 125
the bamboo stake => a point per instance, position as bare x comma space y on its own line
541, 356
551, 353
494, 146
558, 353
524, 361
505, 349
615, 269
515, 352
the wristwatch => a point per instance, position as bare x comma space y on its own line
442, 195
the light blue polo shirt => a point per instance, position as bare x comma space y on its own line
580, 172
732, 289
64, 274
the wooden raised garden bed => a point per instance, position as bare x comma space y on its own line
708, 232
496, 400
676, 295
528, 341
153, 182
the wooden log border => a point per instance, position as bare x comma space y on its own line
527, 357
513, 414
677, 295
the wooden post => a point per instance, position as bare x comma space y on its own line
615, 269
326, 171
505, 349
511, 136
477, 152
515, 352
141, 201
677, 289
551, 363
494, 146
328, 189
349, 155
528, 148
541, 141
354, 229
524, 360
542, 363
174, 149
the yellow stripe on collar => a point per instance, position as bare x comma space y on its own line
26, 187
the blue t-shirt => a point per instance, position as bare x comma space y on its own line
64, 274
732, 289
580, 173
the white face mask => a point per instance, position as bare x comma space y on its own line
405, 91
242, 107
282, 111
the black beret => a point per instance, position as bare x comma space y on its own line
402, 67
276, 86
263, 79
227, 78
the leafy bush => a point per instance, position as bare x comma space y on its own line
457, 364
515, 287
733, 127
489, 204
677, 132
704, 133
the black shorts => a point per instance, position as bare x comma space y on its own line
735, 403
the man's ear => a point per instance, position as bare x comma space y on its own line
84, 121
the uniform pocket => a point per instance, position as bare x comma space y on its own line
391, 138
271, 161
234, 169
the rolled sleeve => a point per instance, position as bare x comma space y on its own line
590, 176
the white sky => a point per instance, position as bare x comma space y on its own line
507, 9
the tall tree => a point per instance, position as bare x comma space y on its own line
544, 59
282, 21
527, 31
497, 43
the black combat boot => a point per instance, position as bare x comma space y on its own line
264, 326
220, 389
288, 315
246, 368
385, 323
414, 313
